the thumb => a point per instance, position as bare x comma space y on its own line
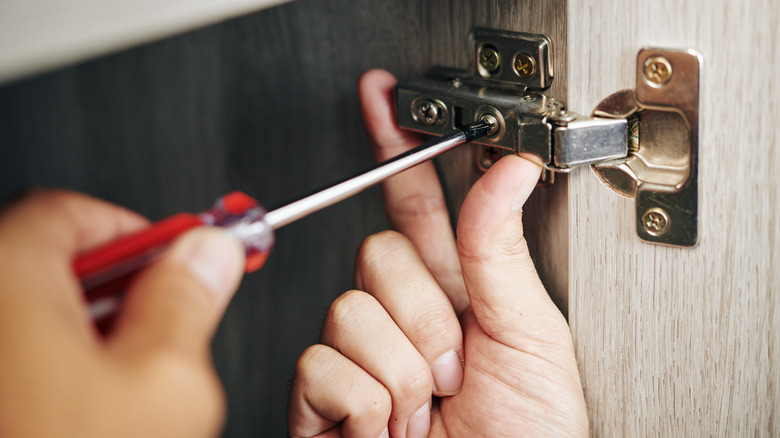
507, 297
178, 301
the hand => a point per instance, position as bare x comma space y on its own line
152, 374
470, 324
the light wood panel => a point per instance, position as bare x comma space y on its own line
674, 341
39, 35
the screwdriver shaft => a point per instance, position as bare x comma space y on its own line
324, 198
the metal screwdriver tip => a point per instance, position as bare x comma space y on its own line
309, 204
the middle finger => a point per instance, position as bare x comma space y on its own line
389, 268
360, 329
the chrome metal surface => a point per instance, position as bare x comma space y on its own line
493, 122
343, 190
661, 169
492, 116
528, 122
507, 48
642, 143
587, 140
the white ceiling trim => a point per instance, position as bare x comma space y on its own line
41, 35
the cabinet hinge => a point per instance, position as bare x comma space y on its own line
642, 143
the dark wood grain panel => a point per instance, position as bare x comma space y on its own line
266, 104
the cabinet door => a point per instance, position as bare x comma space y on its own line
682, 341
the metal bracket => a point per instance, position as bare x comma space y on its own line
661, 171
509, 70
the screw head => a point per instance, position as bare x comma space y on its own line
561, 115
487, 156
655, 221
427, 112
489, 59
493, 121
525, 65
658, 70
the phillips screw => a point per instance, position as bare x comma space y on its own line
657, 71
489, 59
655, 221
428, 112
525, 65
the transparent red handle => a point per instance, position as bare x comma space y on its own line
106, 271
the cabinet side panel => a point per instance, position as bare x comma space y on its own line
682, 341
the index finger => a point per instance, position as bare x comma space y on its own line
414, 200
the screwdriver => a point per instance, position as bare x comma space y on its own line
106, 271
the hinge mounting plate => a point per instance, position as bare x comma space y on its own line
661, 170
641, 143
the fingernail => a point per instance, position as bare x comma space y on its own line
447, 373
420, 423
385, 433
214, 258
533, 171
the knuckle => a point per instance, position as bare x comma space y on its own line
436, 325
313, 355
343, 313
415, 384
487, 246
374, 406
57, 201
311, 359
471, 247
548, 333
347, 303
378, 245
418, 204
377, 252
516, 246
42, 194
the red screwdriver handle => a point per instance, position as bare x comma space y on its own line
128, 254
106, 271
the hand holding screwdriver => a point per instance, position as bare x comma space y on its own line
108, 269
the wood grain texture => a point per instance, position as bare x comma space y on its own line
673, 341
545, 215
266, 104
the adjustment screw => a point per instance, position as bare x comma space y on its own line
658, 70
655, 221
492, 121
525, 65
489, 59
427, 112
